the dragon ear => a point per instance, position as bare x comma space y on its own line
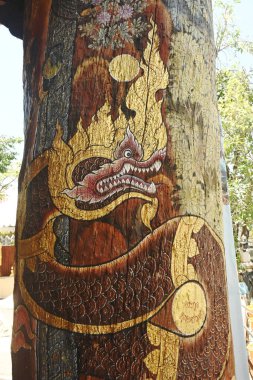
129, 143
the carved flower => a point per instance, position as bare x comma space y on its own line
126, 11
103, 17
115, 23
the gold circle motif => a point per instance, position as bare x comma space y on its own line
189, 308
124, 68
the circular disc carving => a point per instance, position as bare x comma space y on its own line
189, 308
124, 68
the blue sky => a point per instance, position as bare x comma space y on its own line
243, 12
243, 18
11, 91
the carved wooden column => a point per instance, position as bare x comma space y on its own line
120, 267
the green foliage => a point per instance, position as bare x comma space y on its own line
228, 36
235, 100
9, 167
7, 152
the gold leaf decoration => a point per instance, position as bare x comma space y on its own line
163, 360
80, 140
86, 12
184, 246
124, 67
120, 126
104, 134
152, 361
60, 156
101, 131
148, 212
147, 125
50, 70
189, 308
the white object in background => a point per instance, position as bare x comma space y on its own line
6, 286
245, 257
239, 343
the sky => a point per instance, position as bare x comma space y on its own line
11, 90
243, 12
11, 108
243, 18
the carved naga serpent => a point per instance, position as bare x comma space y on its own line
162, 291
165, 273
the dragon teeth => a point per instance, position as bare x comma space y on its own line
127, 168
108, 183
158, 164
152, 187
102, 187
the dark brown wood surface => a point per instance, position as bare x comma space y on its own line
120, 259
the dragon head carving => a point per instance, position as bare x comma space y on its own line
115, 160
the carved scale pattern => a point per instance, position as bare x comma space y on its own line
115, 356
210, 349
102, 299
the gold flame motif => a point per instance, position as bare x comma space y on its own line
104, 134
148, 126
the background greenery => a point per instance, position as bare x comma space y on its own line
235, 102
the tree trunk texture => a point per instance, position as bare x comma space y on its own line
120, 261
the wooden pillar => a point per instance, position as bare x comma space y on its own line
120, 264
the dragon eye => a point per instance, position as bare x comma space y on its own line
128, 153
